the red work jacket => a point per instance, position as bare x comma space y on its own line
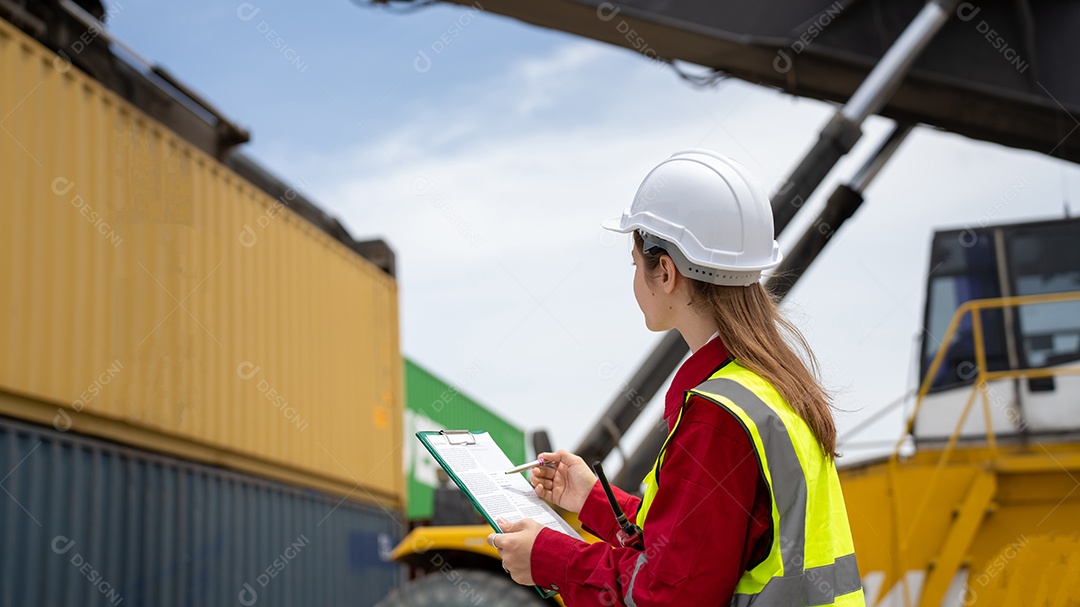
709, 522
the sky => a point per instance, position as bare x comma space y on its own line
486, 152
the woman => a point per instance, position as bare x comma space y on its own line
743, 505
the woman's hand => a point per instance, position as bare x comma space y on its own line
515, 546
568, 484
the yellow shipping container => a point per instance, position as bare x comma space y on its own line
152, 296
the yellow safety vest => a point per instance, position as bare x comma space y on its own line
812, 559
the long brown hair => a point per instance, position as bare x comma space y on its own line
753, 330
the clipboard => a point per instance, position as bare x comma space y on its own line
445, 444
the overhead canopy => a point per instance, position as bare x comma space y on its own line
1001, 71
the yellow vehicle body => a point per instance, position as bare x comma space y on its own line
987, 528
440, 550
973, 524
424, 541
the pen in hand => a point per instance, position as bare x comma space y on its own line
529, 465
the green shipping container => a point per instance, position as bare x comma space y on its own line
433, 404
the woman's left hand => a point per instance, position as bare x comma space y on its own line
515, 545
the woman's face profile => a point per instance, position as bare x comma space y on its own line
644, 293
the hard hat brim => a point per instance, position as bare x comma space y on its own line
615, 224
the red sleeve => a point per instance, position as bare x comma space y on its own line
701, 526
597, 516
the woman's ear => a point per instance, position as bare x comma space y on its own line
668, 274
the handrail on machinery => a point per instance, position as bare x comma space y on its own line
982, 376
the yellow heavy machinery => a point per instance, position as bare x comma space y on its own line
978, 503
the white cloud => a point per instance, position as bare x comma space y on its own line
544, 79
495, 222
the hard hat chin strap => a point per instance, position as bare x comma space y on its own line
732, 278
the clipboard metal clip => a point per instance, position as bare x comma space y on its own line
459, 437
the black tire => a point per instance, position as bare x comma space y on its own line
463, 588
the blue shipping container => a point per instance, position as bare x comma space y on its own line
90, 523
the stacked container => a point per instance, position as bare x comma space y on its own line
200, 376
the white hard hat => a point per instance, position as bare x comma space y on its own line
714, 212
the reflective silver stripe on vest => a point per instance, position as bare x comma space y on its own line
815, 586
629, 600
